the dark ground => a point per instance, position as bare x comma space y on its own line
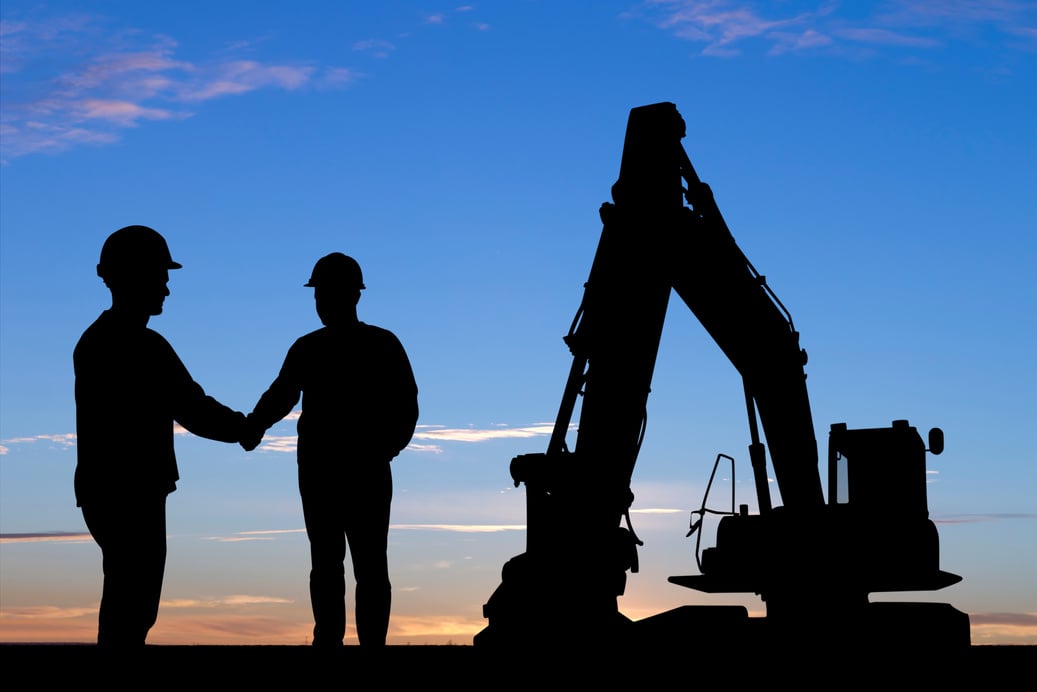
194, 668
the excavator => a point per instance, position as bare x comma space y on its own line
814, 554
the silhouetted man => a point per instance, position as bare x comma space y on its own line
359, 410
130, 388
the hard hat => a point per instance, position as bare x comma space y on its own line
338, 270
135, 248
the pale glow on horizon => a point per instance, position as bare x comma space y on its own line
184, 622
460, 528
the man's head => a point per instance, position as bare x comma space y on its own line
336, 280
135, 264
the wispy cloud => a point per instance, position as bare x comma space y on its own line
419, 447
429, 437
59, 441
233, 601
935, 12
121, 113
46, 537
240, 77
719, 24
72, 81
978, 518
725, 28
279, 443
243, 536
47, 612
440, 18
432, 435
1023, 619
376, 47
472, 434
887, 37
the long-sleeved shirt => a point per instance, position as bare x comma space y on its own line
130, 388
359, 396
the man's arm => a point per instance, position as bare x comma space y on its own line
198, 412
276, 402
404, 399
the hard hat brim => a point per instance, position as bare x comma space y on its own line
310, 284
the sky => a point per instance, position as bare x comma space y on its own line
876, 161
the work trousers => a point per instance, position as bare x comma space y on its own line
339, 509
132, 536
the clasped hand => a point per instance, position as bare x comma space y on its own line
252, 434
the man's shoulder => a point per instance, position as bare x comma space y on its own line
376, 332
107, 328
91, 338
380, 337
92, 331
362, 330
315, 336
308, 344
329, 339
109, 339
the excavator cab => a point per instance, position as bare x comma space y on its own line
817, 568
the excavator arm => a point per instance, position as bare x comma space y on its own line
735, 305
652, 243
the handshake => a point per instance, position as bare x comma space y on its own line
251, 434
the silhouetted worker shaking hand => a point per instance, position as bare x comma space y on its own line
130, 387
359, 410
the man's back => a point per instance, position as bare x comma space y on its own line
359, 396
125, 377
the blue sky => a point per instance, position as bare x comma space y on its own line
875, 161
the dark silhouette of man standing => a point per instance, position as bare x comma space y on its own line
130, 387
359, 410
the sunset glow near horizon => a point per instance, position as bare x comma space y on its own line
876, 161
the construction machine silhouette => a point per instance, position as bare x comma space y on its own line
813, 560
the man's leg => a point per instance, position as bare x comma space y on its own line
322, 514
368, 533
132, 538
